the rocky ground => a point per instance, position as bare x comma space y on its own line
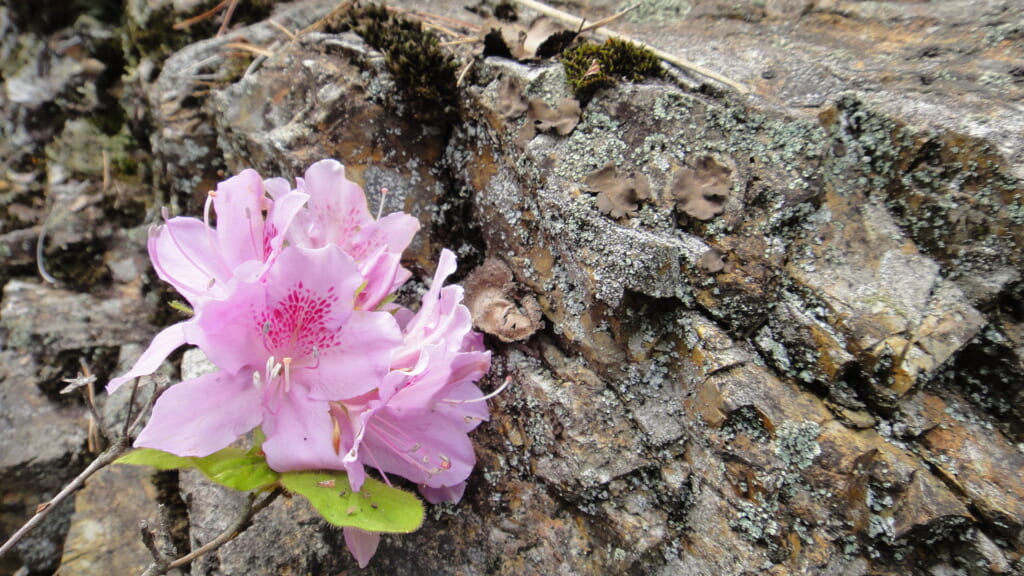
771, 332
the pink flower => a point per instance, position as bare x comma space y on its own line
337, 215
200, 261
287, 345
290, 292
416, 424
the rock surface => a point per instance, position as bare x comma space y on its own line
820, 373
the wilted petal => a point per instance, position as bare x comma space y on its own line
197, 417
166, 341
362, 544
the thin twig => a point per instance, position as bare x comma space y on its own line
575, 22
606, 21
109, 455
195, 19
162, 564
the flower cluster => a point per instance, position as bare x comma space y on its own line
291, 293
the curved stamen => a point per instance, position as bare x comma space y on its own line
508, 380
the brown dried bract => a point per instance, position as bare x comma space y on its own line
540, 118
511, 101
618, 194
491, 299
701, 191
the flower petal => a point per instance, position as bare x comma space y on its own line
443, 494
423, 448
199, 416
337, 206
166, 341
185, 255
362, 544
299, 433
239, 203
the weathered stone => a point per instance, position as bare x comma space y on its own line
104, 535
41, 447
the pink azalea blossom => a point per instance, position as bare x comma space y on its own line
286, 345
415, 425
289, 293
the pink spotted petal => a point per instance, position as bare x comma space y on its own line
197, 417
337, 206
166, 341
362, 544
443, 494
392, 233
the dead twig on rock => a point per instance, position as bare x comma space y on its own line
162, 564
116, 449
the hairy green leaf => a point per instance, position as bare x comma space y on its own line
155, 458
377, 507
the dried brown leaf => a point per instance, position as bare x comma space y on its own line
491, 299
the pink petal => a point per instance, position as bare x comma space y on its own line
337, 205
443, 494
424, 449
166, 341
299, 433
286, 208
228, 330
185, 256
362, 544
360, 361
197, 417
239, 204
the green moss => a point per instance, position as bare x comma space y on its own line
590, 67
423, 71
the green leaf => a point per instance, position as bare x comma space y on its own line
156, 458
258, 438
237, 468
377, 507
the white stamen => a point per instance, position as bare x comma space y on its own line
508, 380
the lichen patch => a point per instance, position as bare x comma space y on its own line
619, 194
542, 118
701, 191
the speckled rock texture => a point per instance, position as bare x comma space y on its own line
799, 351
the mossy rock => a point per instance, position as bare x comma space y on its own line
590, 67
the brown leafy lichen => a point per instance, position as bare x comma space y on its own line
701, 191
618, 194
491, 295
541, 118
